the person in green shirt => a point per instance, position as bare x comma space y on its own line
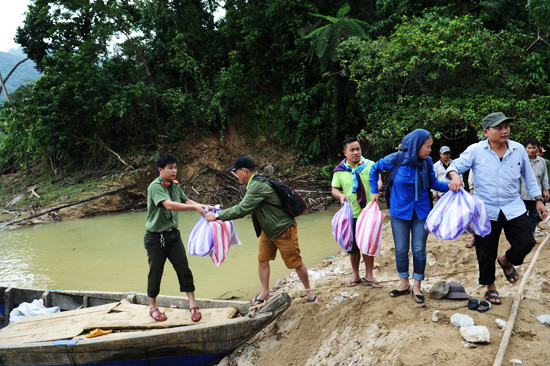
162, 239
276, 229
350, 182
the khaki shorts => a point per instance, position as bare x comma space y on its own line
287, 243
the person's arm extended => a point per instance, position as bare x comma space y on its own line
337, 193
189, 205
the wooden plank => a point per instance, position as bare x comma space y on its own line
40, 328
116, 316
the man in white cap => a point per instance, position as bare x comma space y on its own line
497, 164
440, 168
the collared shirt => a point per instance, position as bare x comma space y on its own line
159, 218
402, 203
541, 172
497, 182
344, 181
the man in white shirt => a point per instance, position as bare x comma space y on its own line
440, 168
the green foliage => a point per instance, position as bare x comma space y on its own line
305, 74
444, 75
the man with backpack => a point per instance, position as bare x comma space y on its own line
273, 223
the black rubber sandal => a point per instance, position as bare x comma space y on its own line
396, 293
509, 276
493, 295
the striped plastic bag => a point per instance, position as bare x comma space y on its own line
234, 238
481, 225
221, 239
200, 239
342, 226
368, 231
455, 213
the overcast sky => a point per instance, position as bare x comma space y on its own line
12, 17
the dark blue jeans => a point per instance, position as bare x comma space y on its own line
410, 234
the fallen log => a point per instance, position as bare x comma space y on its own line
71, 204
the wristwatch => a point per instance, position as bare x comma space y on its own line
539, 199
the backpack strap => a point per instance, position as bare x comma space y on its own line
262, 178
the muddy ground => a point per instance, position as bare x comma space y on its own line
364, 326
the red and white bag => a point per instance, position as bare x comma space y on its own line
368, 232
221, 239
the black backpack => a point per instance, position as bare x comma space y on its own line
291, 201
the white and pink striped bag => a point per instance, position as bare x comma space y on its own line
221, 239
455, 213
212, 237
368, 231
342, 226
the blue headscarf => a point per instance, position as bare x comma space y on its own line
411, 146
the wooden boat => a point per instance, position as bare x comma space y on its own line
60, 338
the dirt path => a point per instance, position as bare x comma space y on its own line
363, 326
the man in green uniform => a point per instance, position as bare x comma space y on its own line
162, 238
350, 182
276, 229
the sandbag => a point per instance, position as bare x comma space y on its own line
342, 226
368, 231
456, 212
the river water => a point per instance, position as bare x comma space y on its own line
106, 254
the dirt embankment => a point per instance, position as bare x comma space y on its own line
364, 326
202, 174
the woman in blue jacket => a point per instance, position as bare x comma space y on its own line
409, 205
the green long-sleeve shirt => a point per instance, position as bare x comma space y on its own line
258, 200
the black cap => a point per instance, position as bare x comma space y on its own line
243, 162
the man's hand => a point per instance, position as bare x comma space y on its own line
456, 182
436, 196
546, 195
343, 199
541, 209
211, 216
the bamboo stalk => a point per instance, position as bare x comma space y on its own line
515, 306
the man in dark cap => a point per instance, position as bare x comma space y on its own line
497, 164
276, 229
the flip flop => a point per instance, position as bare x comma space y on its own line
257, 301
196, 315
470, 243
98, 332
373, 283
353, 283
484, 305
157, 315
473, 304
492, 296
509, 276
418, 298
396, 293
313, 300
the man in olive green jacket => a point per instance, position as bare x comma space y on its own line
275, 228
